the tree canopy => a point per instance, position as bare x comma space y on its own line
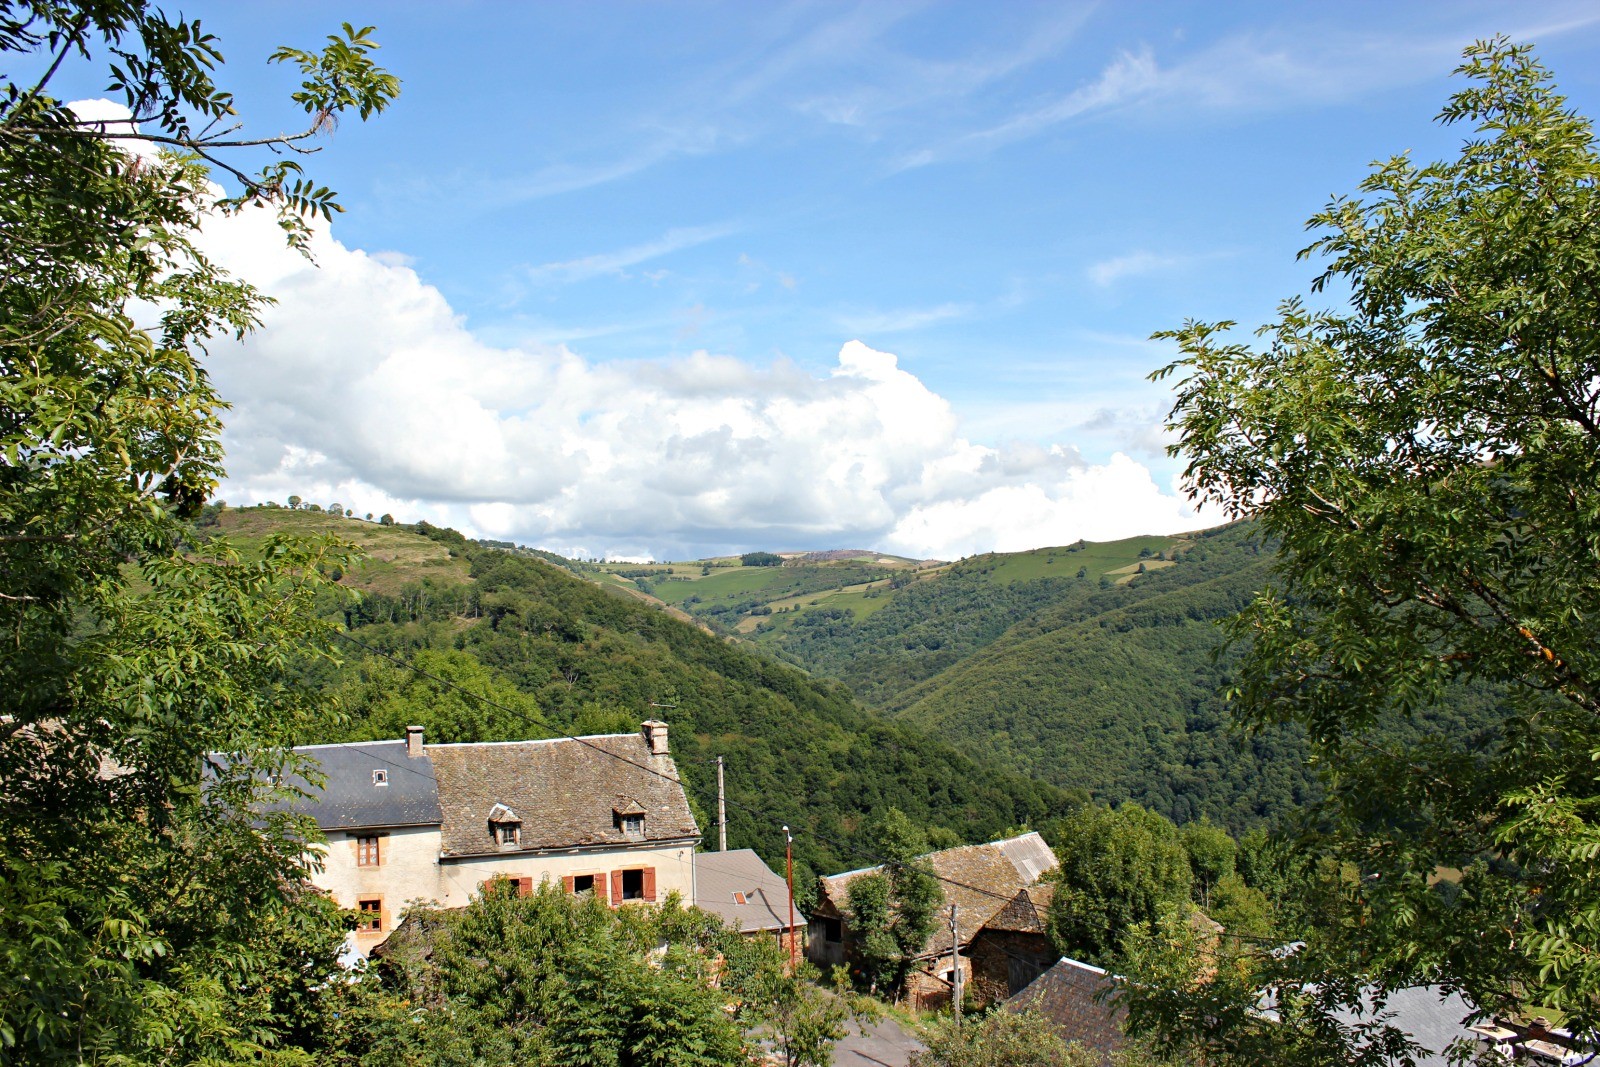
145, 916
1426, 451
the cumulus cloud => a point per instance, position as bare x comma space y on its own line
364, 387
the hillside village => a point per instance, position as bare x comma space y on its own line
283, 783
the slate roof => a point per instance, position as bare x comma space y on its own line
1076, 1000
566, 791
990, 877
1026, 912
349, 799
720, 875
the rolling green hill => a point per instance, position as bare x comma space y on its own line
558, 653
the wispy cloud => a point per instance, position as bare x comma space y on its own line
897, 320
602, 263
1110, 271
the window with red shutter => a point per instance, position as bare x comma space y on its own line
649, 883
567, 883
616, 887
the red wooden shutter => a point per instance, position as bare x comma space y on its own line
566, 882
524, 886
616, 887
649, 883
600, 888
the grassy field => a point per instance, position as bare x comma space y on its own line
761, 603
395, 555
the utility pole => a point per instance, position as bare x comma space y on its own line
722, 811
788, 860
955, 966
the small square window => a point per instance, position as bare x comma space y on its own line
369, 914
368, 852
380, 777
633, 885
633, 824
832, 931
583, 883
507, 833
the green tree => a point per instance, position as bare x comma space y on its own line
1211, 857
294, 502
1119, 867
551, 979
1425, 453
135, 896
892, 910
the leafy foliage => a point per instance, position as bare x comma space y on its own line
1119, 868
892, 911
1426, 458
145, 917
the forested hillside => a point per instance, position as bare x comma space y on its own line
553, 652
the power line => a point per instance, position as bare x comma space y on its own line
749, 809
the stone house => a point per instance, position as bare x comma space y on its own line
406, 822
1000, 911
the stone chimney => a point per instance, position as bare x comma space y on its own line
655, 735
413, 741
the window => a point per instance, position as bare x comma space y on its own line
507, 833
380, 777
633, 825
832, 931
739, 898
583, 883
368, 853
633, 885
370, 914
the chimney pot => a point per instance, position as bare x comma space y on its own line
413, 741
655, 736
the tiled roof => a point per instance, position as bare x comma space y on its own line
990, 877
567, 792
719, 876
1076, 999
351, 796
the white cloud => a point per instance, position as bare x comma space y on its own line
365, 387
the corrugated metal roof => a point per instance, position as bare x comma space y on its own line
720, 875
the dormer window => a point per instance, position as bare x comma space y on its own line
504, 826
628, 816
380, 777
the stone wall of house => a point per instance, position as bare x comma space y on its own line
1005, 962
928, 987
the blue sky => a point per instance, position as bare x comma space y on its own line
610, 212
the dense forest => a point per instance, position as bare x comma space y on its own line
545, 652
